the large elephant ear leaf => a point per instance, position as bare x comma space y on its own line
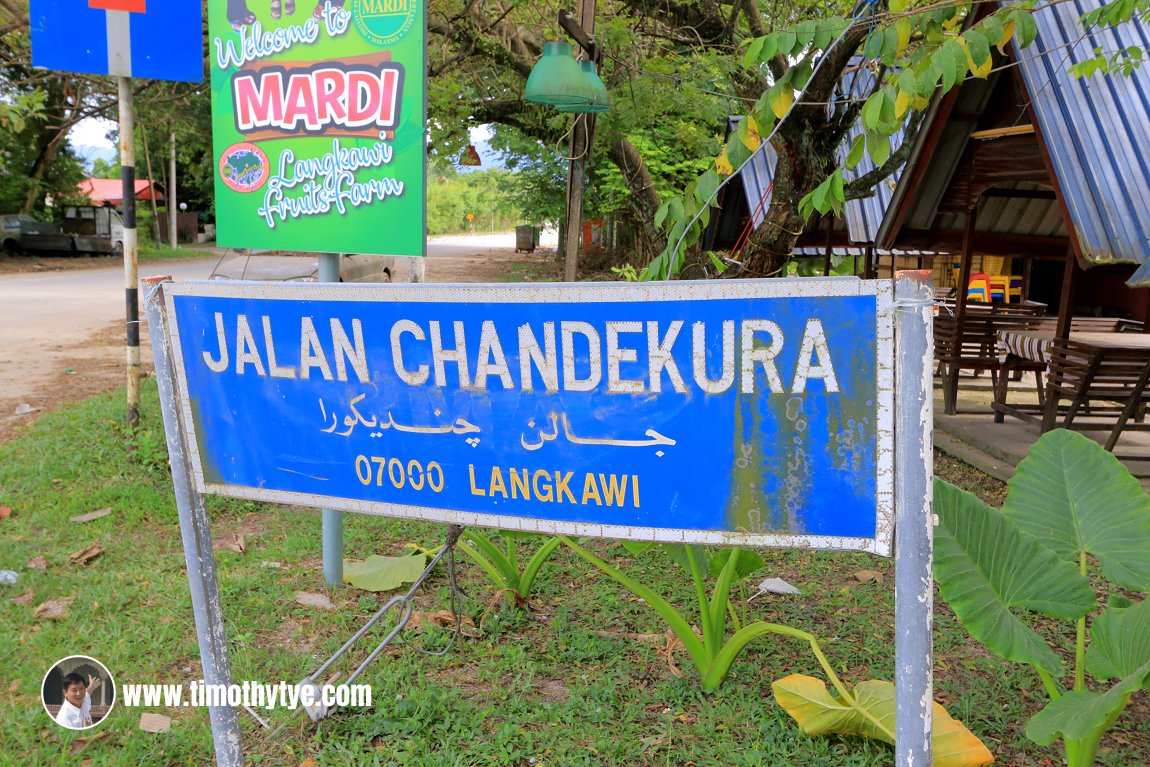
871, 715
1077, 498
1083, 714
986, 567
1119, 640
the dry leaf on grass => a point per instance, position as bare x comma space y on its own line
91, 515
5, 512
155, 723
54, 609
84, 556
307, 599
773, 586
866, 576
14, 687
238, 544
24, 599
309, 762
37, 563
442, 619
79, 744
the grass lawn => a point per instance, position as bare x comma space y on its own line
164, 252
582, 676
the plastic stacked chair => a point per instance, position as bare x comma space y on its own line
978, 289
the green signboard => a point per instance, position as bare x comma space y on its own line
318, 111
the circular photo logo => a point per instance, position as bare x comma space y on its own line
78, 692
384, 22
244, 167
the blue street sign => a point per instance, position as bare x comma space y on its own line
743, 412
164, 42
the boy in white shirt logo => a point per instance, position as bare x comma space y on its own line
76, 710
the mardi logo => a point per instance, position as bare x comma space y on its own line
244, 167
384, 22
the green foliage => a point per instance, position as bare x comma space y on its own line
485, 194
1069, 502
502, 565
713, 653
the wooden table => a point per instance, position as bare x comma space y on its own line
1089, 367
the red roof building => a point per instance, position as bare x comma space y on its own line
109, 191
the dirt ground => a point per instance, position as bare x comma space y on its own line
96, 365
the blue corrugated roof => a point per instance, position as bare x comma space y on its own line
1097, 132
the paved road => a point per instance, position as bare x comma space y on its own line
49, 320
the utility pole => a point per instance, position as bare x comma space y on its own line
131, 252
581, 137
172, 207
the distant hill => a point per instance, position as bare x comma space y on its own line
88, 154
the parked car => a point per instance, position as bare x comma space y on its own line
13, 227
289, 266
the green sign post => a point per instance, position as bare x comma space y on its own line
318, 113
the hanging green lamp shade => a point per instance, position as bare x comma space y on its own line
556, 79
600, 100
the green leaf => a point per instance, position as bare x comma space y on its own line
379, 573
871, 715
661, 213
986, 566
1119, 640
1077, 498
706, 186
872, 110
957, 55
1084, 713
805, 33
749, 561
903, 29
751, 59
786, 42
898, 6
770, 47
858, 147
908, 83
992, 28
635, 548
878, 147
737, 152
678, 554
838, 193
890, 41
1025, 30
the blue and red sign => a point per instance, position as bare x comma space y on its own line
751, 413
158, 39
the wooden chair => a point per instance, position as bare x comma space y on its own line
1111, 382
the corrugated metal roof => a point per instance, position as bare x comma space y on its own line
863, 216
1097, 132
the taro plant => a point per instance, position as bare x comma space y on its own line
502, 564
866, 710
1074, 520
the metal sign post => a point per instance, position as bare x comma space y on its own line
197, 537
914, 520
